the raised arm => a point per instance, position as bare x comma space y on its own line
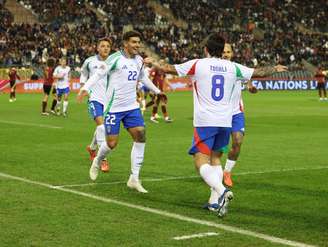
84, 73
268, 70
165, 67
149, 84
85, 90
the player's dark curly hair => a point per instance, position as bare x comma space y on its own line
215, 44
130, 34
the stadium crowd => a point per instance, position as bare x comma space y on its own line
284, 31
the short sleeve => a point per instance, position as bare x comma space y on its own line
243, 72
187, 68
56, 72
84, 72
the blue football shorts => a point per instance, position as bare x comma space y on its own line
61, 91
130, 119
96, 109
208, 139
238, 123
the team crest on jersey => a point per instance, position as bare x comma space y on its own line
108, 128
125, 67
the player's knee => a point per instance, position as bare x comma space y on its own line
140, 136
111, 143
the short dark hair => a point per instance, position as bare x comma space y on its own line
215, 44
51, 62
130, 34
107, 39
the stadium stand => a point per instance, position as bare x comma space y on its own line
260, 31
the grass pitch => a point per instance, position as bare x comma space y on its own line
281, 187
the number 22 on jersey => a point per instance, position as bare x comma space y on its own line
132, 76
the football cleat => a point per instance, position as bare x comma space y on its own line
45, 113
154, 120
135, 184
168, 120
53, 112
92, 153
94, 169
104, 166
211, 207
223, 202
227, 179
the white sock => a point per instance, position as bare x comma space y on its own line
212, 175
143, 103
93, 144
137, 157
103, 151
58, 105
65, 104
100, 134
229, 165
214, 197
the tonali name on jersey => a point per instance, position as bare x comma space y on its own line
214, 83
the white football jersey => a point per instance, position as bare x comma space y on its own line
98, 90
64, 73
214, 83
237, 101
123, 74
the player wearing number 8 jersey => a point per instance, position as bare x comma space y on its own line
124, 69
214, 81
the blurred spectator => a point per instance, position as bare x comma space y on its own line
261, 31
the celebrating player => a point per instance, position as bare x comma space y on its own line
238, 121
97, 97
124, 69
214, 81
62, 74
143, 92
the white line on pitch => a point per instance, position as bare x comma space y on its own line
31, 124
123, 182
191, 177
167, 214
199, 235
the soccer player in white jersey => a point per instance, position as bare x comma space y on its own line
62, 74
124, 69
238, 121
142, 92
97, 97
214, 81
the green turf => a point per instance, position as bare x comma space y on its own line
285, 130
